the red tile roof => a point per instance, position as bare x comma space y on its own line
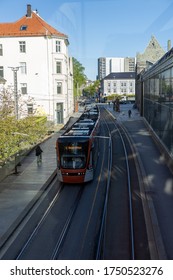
35, 26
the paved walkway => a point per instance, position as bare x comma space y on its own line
123, 114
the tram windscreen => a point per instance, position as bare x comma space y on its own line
73, 155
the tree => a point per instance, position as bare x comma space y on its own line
79, 78
20, 135
7, 103
92, 89
17, 135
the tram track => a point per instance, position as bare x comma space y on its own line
52, 223
123, 199
103, 219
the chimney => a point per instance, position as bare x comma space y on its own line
168, 45
28, 10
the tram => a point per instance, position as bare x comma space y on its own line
77, 149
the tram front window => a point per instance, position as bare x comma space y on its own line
73, 155
73, 162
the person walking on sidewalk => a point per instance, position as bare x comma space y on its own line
129, 113
38, 153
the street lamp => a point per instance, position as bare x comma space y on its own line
15, 69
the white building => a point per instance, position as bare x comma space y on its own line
107, 65
39, 53
121, 83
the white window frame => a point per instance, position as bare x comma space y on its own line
1, 50
58, 67
30, 108
59, 88
2, 71
23, 88
23, 67
58, 46
22, 46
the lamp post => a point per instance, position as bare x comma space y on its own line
15, 69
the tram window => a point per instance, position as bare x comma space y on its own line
75, 148
73, 162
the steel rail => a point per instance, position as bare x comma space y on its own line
102, 227
40, 223
66, 226
129, 189
130, 195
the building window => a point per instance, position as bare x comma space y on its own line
24, 88
30, 109
2, 71
1, 50
58, 46
58, 67
23, 67
59, 88
23, 27
22, 46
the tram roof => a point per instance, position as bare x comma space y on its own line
84, 126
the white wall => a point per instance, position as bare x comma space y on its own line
41, 77
109, 87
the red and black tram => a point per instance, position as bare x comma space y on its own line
77, 149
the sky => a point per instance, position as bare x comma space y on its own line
101, 28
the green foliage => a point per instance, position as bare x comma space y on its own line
116, 95
79, 78
92, 88
18, 135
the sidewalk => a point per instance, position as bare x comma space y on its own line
17, 191
123, 114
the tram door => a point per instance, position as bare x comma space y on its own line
59, 112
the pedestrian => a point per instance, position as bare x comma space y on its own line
129, 113
38, 153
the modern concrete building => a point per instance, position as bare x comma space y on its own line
36, 55
107, 65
